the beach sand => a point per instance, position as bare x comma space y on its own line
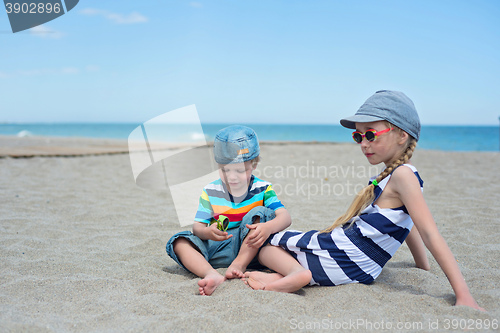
83, 247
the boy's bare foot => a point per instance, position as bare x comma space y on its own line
210, 283
258, 280
235, 271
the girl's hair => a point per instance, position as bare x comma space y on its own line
366, 195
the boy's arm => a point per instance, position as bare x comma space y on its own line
202, 229
205, 232
282, 221
264, 230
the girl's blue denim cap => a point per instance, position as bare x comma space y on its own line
393, 106
235, 144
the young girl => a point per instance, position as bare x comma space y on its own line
360, 242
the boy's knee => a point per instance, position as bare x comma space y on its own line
257, 209
260, 210
180, 242
258, 214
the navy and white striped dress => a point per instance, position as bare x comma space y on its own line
352, 253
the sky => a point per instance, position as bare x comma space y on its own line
259, 61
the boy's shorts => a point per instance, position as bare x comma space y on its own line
222, 253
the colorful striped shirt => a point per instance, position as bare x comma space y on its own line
215, 200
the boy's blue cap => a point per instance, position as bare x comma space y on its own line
236, 144
393, 106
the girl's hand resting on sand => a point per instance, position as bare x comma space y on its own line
470, 302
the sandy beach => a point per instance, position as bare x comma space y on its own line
83, 247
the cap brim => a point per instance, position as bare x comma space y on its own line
350, 122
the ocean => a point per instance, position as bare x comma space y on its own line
446, 138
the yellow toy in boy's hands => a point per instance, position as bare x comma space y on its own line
222, 222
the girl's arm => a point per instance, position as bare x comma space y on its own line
417, 249
407, 186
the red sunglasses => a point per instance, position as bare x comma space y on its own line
370, 135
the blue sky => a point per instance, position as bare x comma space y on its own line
258, 61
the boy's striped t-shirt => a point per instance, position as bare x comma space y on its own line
215, 200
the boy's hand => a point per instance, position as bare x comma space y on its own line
259, 236
215, 234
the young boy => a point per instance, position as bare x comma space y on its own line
250, 205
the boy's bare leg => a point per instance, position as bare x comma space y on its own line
240, 263
290, 276
244, 257
196, 264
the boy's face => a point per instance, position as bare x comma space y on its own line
236, 177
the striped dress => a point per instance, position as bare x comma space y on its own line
355, 252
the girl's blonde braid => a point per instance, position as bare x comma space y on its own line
366, 196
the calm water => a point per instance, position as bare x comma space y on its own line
450, 138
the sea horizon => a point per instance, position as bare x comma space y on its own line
435, 137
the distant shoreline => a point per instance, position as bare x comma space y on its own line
45, 146
433, 137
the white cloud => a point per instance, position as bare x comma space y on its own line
70, 70
92, 68
196, 4
35, 72
127, 19
131, 18
44, 32
92, 11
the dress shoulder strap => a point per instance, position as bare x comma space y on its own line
381, 186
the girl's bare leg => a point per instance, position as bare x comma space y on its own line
258, 280
290, 276
196, 264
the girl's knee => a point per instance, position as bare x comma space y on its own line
304, 276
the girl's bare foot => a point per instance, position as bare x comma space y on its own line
209, 283
258, 280
277, 282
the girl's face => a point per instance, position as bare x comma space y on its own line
236, 177
387, 147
